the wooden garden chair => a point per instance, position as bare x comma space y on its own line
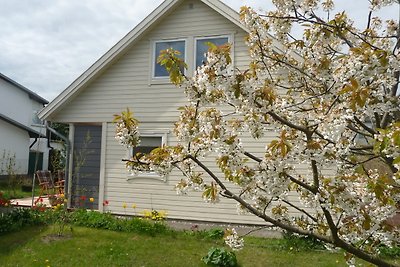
45, 182
59, 181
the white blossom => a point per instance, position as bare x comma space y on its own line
233, 240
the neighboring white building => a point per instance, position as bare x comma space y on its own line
128, 76
22, 135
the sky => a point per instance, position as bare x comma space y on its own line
46, 44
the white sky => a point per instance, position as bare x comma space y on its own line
46, 44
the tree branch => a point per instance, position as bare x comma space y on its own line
256, 212
252, 157
364, 126
302, 184
301, 210
287, 123
349, 247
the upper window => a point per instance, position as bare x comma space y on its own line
179, 45
202, 47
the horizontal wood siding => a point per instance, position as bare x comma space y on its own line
150, 193
127, 82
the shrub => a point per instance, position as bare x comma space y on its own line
59, 216
212, 234
4, 202
215, 233
18, 218
292, 241
107, 221
220, 257
390, 252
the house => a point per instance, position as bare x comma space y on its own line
128, 76
22, 134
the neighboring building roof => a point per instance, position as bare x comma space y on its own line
31, 94
32, 133
125, 43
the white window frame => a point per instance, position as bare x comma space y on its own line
230, 41
154, 57
146, 175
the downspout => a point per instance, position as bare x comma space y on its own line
49, 141
34, 142
68, 151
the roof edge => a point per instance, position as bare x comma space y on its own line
31, 94
107, 58
226, 11
126, 42
32, 133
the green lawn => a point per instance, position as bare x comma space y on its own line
15, 191
38, 246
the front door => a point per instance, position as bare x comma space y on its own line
86, 166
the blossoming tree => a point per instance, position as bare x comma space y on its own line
331, 96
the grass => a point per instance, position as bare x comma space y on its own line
89, 241
16, 192
38, 246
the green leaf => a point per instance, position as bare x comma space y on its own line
366, 224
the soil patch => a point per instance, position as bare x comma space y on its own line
55, 237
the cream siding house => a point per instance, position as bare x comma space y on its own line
127, 76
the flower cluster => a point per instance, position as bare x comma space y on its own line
126, 130
155, 215
233, 240
308, 133
4, 202
40, 205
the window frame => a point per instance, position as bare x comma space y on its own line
196, 38
152, 175
154, 57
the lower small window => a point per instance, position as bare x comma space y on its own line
148, 142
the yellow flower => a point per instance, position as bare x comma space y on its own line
162, 213
124, 205
91, 199
133, 206
61, 195
147, 213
